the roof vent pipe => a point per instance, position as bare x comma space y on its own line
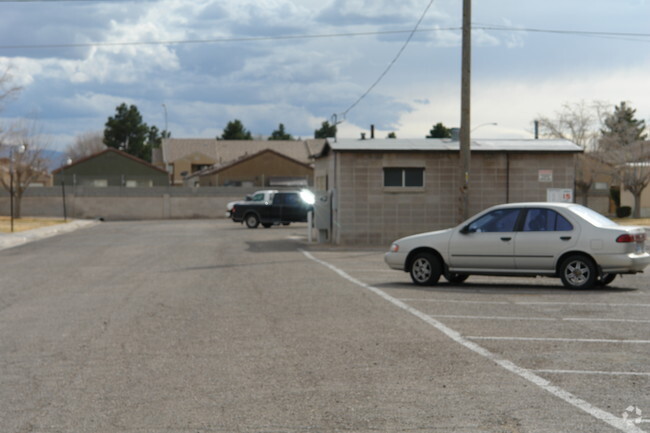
455, 134
363, 135
372, 132
537, 130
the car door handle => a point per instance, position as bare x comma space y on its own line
565, 238
505, 239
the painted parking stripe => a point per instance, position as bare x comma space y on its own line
545, 319
604, 373
544, 384
462, 301
458, 316
567, 340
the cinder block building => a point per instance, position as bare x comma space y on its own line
379, 190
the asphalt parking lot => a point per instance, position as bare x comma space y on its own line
206, 326
588, 348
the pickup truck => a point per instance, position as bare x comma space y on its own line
265, 195
285, 207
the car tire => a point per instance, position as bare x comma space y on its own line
578, 272
425, 269
252, 221
606, 278
455, 278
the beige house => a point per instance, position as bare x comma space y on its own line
383, 189
180, 155
40, 178
266, 168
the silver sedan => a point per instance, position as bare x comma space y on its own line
569, 241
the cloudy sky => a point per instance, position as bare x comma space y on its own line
197, 64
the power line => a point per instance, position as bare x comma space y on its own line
217, 40
390, 65
611, 35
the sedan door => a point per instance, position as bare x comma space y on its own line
544, 236
485, 244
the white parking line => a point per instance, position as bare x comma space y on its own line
544, 384
606, 373
546, 319
457, 316
586, 304
568, 340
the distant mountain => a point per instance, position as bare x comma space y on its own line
55, 159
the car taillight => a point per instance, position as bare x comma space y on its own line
623, 239
627, 238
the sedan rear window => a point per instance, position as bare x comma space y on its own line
545, 220
592, 217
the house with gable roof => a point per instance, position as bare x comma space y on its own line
111, 167
266, 168
176, 154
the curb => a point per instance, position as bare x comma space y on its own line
14, 239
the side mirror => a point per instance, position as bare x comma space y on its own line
466, 230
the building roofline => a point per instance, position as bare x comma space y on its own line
107, 150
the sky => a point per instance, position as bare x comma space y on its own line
191, 66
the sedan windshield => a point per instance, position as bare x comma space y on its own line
592, 217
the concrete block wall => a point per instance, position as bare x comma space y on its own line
127, 203
370, 214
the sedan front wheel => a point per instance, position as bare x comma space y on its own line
425, 269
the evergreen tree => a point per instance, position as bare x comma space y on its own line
280, 134
326, 130
127, 132
621, 128
439, 131
235, 130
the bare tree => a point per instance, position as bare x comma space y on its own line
25, 163
86, 144
7, 88
631, 168
623, 146
579, 122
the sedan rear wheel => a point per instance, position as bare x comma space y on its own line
578, 272
426, 269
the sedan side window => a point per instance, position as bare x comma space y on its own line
541, 220
502, 220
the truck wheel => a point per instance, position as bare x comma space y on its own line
252, 221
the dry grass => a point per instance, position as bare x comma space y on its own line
27, 223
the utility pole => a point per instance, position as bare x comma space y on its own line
465, 151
